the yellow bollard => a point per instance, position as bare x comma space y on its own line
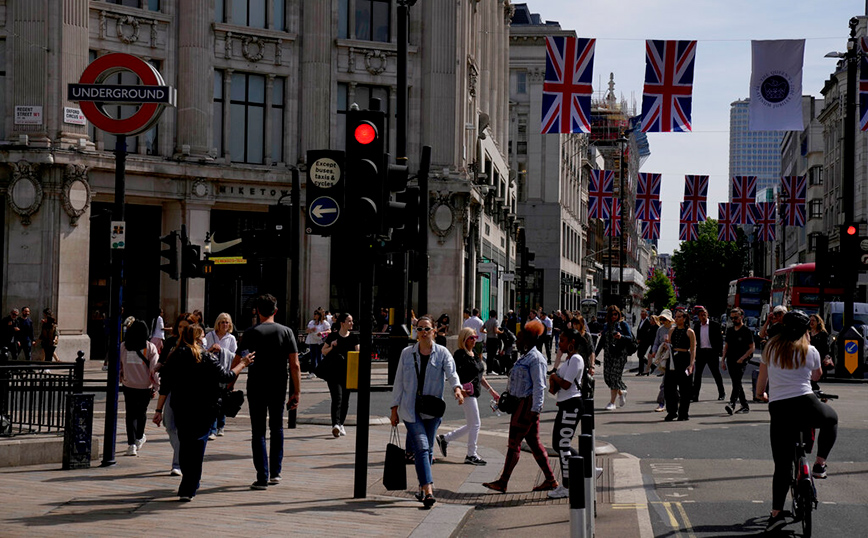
353, 370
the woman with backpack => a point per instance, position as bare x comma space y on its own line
618, 343
140, 382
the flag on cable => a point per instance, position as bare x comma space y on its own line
600, 187
743, 197
613, 221
776, 85
725, 228
667, 99
689, 229
650, 272
793, 206
695, 197
863, 84
566, 100
650, 229
765, 221
648, 197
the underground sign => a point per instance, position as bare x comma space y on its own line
152, 95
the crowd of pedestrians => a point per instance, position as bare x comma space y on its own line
18, 337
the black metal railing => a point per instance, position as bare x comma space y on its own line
33, 395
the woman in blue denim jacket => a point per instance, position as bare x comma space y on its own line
432, 365
527, 382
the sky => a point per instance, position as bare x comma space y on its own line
722, 72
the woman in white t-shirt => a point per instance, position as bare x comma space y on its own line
314, 339
566, 384
789, 364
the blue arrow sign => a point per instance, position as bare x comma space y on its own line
324, 211
851, 346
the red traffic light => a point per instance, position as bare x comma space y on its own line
365, 133
851, 230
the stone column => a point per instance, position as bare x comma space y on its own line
30, 48
71, 60
195, 46
316, 74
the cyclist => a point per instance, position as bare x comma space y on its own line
789, 363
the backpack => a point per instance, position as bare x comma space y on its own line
630, 345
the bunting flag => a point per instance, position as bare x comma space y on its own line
648, 197
725, 228
689, 229
695, 197
765, 221
793, 194
675, 289
650, 229
668, 96
566, 100
650, 272
776, 85
863, 84
613, 222
600, 188
743, 197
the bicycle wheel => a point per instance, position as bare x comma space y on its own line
806, 496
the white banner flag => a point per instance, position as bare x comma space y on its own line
776, 85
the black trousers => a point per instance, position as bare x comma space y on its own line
136, 410
787, 417
340, 402
193, 435
706, 357
678, 386
565, 428
736, 372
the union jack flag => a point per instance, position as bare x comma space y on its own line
725, 228
743, 197
600, 188
765, 221
793, 207
675, 289
650, 229
695, 196
566, 102
650, 273
689, 229
613, 222
863, 85
668, 96
648, 197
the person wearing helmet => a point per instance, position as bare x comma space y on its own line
789, 363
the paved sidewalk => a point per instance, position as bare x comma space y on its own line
137, 494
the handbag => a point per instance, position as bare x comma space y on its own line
630, 345
468, 388
507, 403
394, 467
231, 402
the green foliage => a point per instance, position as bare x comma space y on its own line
660, 292
704, 268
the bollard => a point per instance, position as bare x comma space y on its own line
586, 451
78, 432
78, 377
578, 511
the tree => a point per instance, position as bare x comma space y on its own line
660, 292
705, 267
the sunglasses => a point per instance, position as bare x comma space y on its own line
735, 318
473, 338
424, 329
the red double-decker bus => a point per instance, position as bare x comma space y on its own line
749, 294
797, 287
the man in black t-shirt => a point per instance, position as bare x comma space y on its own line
275, 347
737, 350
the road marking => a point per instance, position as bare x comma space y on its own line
687, 524
757, 502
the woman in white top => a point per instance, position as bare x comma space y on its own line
314, 339
216, 342
789, 364
567, 384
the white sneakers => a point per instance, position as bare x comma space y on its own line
220, 432
343, 431
132, 450
336, 430
622, 399
610, 407
175, 472
559, 492
141, 442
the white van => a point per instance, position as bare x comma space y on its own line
833, 316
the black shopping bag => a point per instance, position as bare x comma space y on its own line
395, 469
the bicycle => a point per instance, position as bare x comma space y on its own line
802, 489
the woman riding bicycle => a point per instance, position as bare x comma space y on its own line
789, 363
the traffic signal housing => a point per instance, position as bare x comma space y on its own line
170, 255
191, 262
365, 162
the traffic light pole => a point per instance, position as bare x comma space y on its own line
848, 180
183, 276
422, 258
366, 343
294, 241
115, 303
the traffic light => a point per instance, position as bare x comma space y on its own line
170, 254
530, 257
403, 218
326, 187
849, 237
191, 261
365, 162
281, 228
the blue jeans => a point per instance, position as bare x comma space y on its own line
421, 433
266, 402
315, 356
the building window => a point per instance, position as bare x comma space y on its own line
217, 112
815, 175
343, 19
815, 208
521, 82
150, 5
277, 121
362, 97
253, 13
372, 20
247, 117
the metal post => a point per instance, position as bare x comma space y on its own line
183, 276
116, 301
78, 377
578, 512
586, 451
424, 166
366, 307
848, 180
294, 247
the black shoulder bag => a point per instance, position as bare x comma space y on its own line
426, 404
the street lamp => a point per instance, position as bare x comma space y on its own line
623, 141
851, 58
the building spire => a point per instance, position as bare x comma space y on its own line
610, 95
